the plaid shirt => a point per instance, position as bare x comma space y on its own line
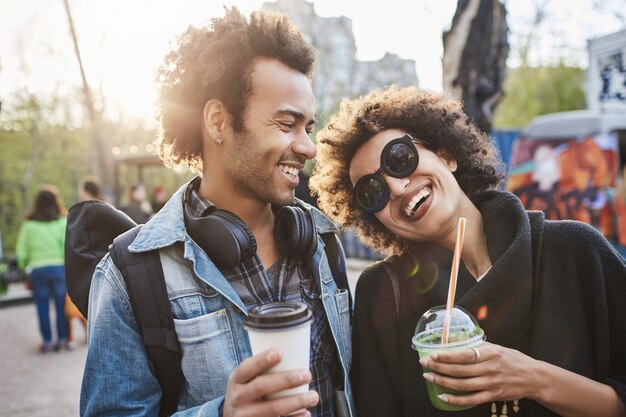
295, 283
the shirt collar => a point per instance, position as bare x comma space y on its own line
198, 206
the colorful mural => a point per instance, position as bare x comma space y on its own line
567, 178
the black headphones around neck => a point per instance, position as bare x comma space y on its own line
228, 241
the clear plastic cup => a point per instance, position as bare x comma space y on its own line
464, 333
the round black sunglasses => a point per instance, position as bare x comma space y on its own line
399, 159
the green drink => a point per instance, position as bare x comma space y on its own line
464, 334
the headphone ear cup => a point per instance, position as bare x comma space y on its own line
245, 239
294, 232
224, 237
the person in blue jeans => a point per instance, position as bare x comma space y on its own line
237, 107
40, 248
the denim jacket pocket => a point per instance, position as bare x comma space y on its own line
205, 341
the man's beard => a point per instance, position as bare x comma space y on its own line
251, 171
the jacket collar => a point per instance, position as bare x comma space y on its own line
322, 223
503, 300
165, 228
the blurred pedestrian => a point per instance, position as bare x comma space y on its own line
89, 188
137, 206
303, 192
159, 198
40, 248
73, 313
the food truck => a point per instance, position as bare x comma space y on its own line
568, 165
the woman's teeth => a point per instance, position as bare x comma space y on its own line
289, 170
417, 201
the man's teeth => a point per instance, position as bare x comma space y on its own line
417, 201
289, 170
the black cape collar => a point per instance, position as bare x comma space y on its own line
503, 299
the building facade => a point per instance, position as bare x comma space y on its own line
338, 74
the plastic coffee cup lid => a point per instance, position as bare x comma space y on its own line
278, 315
464, 329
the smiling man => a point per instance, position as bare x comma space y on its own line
236, 106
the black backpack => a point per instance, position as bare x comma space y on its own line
95, 228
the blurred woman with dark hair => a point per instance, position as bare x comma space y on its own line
40, 248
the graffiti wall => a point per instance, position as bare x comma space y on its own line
567, 178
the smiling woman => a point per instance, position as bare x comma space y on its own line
435, 123
534, 285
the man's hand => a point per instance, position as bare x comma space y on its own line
247, 388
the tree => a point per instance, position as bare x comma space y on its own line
36, 151
34, 154
474, 58
98, 147
537, 88
533, 91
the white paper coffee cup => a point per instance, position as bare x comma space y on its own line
286, 327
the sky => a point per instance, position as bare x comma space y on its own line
123, 41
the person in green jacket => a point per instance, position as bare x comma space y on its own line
40, 248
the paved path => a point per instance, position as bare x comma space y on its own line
32, 384
36, 385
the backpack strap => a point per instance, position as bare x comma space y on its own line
337, 264
145, 283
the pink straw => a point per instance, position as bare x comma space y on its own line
454, 272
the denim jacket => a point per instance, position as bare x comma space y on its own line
208, 315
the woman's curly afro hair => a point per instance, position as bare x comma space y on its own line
438, 123
216, 62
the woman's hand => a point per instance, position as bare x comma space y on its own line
495, 374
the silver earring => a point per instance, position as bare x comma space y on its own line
218, 141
